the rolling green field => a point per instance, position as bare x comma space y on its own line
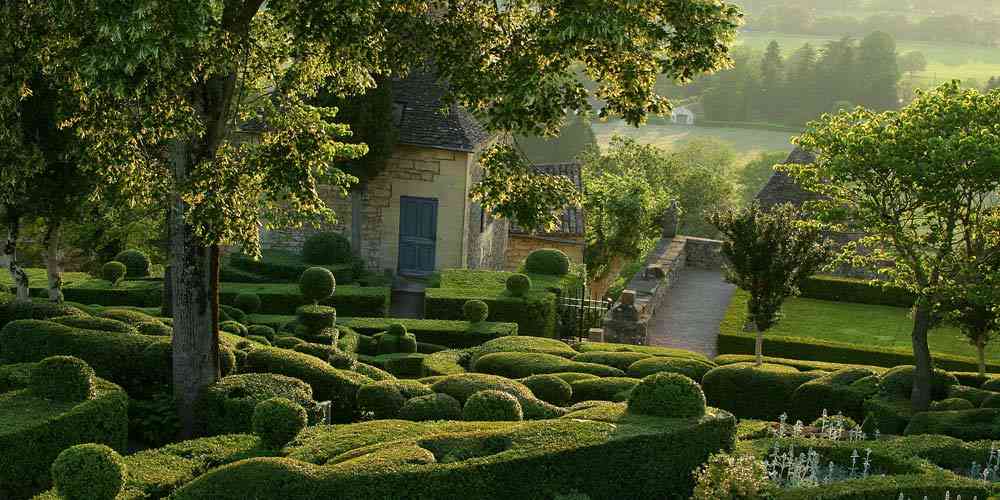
746, 142
945, 61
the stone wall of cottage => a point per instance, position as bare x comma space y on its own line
520, 245
486, 245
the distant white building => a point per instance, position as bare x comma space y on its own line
682, 115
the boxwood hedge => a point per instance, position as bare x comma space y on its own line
227, 406
535, 313
524, 364
754, 392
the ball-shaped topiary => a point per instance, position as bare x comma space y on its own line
260, 331
62, 378
136, 263
550, 388
431, 407
547, 261
113, 271
326, 248
316, 284
492, 405
518, 284
667, 395
88, 472
382, 400
277, 421
475, 311
247, 302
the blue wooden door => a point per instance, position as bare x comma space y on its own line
417, 235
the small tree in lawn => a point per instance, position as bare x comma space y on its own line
769, 253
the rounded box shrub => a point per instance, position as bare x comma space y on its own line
62, 378
550, 388
547, 261
667, 395
260, 331
326, 248
277, 421
621, 360
431, 407
492, 406
287, 342
155, 329
259, 339
247, 302
384, 399
603, 389
475, 311
95, 323
233, 313
233, 327
518, 284
692, 368
128, 316
749, 391
950, 404
228, 405
899, 382
317, 284
315, 318
113, 271
89, 472
136, 263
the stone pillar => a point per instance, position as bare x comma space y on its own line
671, 220
622, 324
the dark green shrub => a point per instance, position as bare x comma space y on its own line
898, 382
153, 421
453, 334
342, 360
321, 351
603, 389
227, 361
493, 406
890, 414
113, 271
464, 385
234, 328
234, 313
620, 360
534, 313
853, 290
992, 384
396, 340
316, 284
259, 339
547, 261
373, 372
15, 376
128, 316
967, 425
401, 364
692, 368
991, 401
550, 388
89, 472
327, 248
970, 394
571, 377
92, 323
277, 421
525, 364
526, 344
288, 342
670, 395
475, 311
248, 302
62, 378
949, 404
385, 399
155, 329
48, 310
755, 392
316, 318
431, 407
518, 285
227, 406
260, 331
136, 263
836, 392
444, 363
847, 423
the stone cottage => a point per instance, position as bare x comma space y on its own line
569, 237
416, 217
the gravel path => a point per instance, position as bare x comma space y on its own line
690, 317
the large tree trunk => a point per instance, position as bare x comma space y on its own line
599, 287
920, 398
53, 260
8, 257
195, 350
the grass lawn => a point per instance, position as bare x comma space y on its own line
863, 325
945, 61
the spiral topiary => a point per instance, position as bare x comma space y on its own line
277, 421
667, 395
136, 263
475, 311
247, 302
518, 284
62, 378
88, 472
550, 388
316, 284
327, 248
547, 261
492, 405
114, 272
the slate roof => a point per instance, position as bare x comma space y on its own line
781, 188
573, 222
423, 124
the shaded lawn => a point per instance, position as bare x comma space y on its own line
865, 325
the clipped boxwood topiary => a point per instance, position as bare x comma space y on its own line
396, 340
228, 405
247, 302
949, 404
384, 399
113, 271
518, 284
287, 342
317, 284
259, 339
136, 263
550, 388
277, 421
128, 316
89, 472
155, 329
233, 327
431, 407
603, 389
464, 385
475, 311
260, 331
326, 248
62, 378
899, 382
669, 395
749, 391
492, 406
315, 317
547, 261
688, 367
234, 313
93, 323
992, 384
621, 360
